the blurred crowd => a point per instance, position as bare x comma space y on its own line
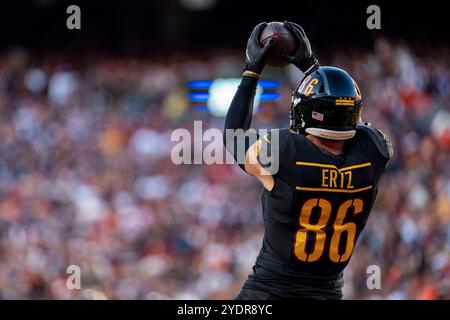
86, 178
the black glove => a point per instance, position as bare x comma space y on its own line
304, 57
255, 55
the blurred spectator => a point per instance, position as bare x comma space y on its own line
86, 179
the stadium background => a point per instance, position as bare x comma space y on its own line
85, 124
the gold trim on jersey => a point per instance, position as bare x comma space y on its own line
333, 190
324, 165
331, 180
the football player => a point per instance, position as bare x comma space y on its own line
317, 202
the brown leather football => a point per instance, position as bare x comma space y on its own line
285, 42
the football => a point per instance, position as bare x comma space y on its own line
285, 42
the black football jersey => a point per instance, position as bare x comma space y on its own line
315, 212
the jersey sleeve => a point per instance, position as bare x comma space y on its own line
276, 149
380, 147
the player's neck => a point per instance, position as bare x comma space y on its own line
333, 146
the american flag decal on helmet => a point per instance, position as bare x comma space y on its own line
317, 116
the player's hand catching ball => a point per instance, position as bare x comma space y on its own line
255, 55
304, 57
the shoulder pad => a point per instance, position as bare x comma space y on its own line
379, 138
276, 147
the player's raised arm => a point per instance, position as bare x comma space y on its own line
239, 115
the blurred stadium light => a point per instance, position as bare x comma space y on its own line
216, 95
